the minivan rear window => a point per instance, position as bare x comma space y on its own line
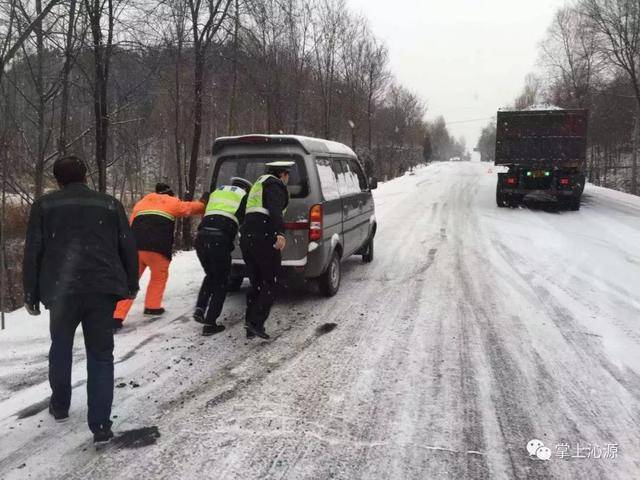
251, 167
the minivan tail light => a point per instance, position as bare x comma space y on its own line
511, 180
315, 223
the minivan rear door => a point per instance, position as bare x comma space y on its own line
249, 163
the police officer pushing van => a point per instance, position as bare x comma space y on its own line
262, 241
224, 213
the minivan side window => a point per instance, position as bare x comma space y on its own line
362, 180
328, 180
348, 183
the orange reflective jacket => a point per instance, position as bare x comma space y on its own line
153, 221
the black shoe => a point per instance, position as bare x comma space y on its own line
59, 415
156, 312
209, 330
198, 315
259, 331
116, 326
102, 435
250, 334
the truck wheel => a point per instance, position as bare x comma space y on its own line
500, 201
367, 256
329, 281
574, 204
234, 284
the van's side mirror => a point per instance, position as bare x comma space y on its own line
373, 183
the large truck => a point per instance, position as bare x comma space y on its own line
545, 155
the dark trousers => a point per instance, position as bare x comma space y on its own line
95, 313
214, 253
263, 266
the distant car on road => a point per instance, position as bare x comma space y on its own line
331, 215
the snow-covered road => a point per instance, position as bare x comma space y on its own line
474, 331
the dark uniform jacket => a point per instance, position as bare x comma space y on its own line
275, 198
78, 241
219, 225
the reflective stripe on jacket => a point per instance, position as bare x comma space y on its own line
255, 201
153, 221
225, 201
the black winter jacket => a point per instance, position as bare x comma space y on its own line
275, 198
78, 241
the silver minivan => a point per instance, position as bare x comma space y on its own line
330, 214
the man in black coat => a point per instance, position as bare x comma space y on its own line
217, 232
80, 258
262, 241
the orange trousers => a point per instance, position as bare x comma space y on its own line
159, 266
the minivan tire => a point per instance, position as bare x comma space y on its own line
329, 281
367, 256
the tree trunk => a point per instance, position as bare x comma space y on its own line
634, 155
102, 54
40, 109
195, 144
231, 127
66, 72
3, 241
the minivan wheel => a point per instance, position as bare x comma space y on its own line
329, 281
367, 256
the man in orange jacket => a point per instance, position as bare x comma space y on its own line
153, 222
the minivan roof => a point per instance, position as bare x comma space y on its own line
309, 144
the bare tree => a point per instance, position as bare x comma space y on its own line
328, 28
618, 22
571, 55
98, 11
69, 58
377, 79
207, 18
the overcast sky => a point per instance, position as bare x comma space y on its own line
465, 58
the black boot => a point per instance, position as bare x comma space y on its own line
198, 315
116, 326
154, 311
209, 330
258, 331
102, 434
58, 414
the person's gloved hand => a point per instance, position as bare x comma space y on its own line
33, 309
281, 242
